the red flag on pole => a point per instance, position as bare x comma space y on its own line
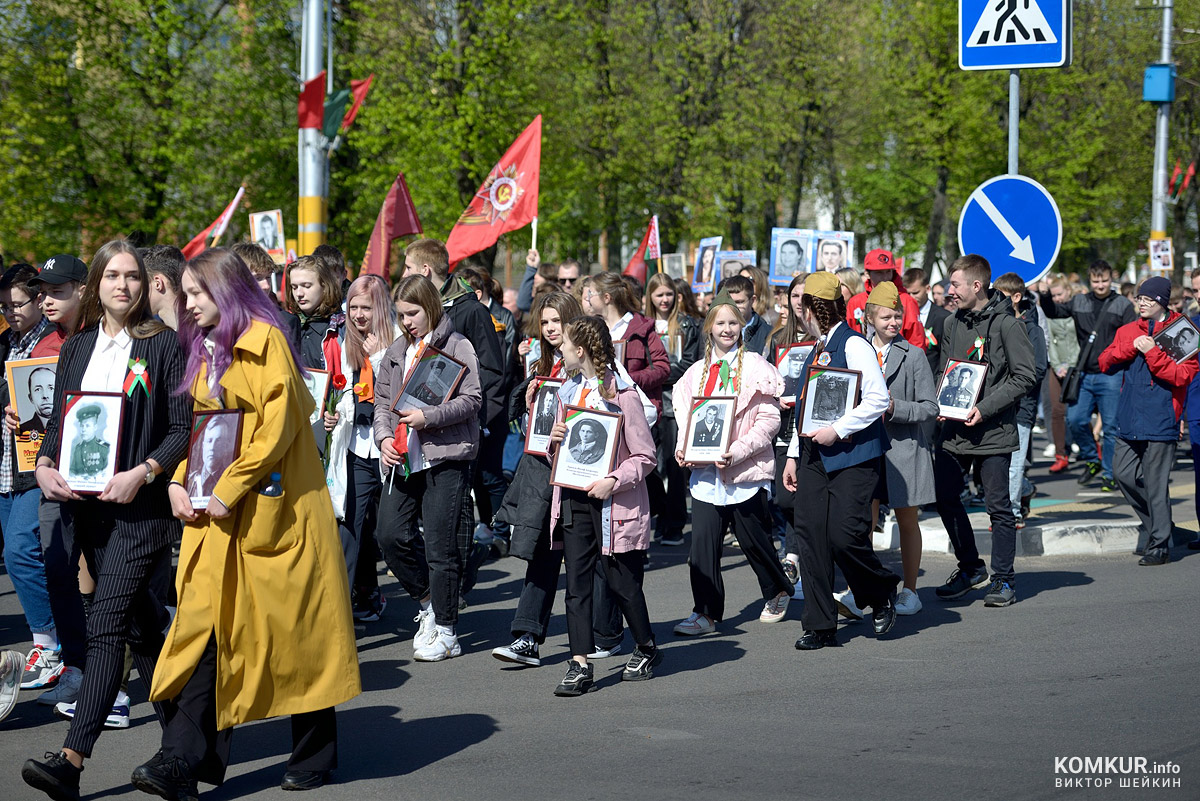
648, 249
1188, 176
359, 91
199, 242
507, 200
312, 102
397, 217
1174, 178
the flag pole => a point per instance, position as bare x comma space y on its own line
658, 261
534, 245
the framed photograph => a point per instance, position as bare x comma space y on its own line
704, 274
1162, 255
790, 360
672, 264
215, 442
619, 350
732, 262
541, 416
589, 450
266, 229
709, 429
790, 249
1180, 340
674, 346
535, 353
432, 382
31, 388
833, 250
317, 382
91, 434
829, 393
960, 387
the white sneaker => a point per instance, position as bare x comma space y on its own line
846, 605
1049, 451
907, 602
11, 665
67, 689
604, 653
426, 628
43, 666
775, 609
441, 646
695, 624
118, 717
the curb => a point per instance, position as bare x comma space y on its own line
1077, 538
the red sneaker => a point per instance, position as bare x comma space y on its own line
1061, 463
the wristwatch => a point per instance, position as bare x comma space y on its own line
149, 473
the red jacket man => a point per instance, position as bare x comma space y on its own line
881, 268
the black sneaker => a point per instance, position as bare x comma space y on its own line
523, 651
959, 584
1090, 471
166, 777
641, 665
577, 681
369, 607
56, 776
673, 539
883, 615
792, 571
1000, 593
1108, 485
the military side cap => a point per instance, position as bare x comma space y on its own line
885, 295
91, 410
824, 285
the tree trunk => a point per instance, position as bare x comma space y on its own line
937, 218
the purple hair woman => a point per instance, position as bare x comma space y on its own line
263, 622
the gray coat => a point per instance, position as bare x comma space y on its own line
909, 460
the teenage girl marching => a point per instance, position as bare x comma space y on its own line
609, 522
737, 489
839, 467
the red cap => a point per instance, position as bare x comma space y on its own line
879, 259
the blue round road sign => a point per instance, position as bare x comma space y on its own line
1012, 222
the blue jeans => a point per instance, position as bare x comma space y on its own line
1193, 427
1018, 485
23, 556
1097, 393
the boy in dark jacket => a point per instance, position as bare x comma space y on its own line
1153, 392
982, 329
1012, 286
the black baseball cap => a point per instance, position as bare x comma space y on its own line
60, 269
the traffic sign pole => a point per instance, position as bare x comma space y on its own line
1158, 209
1014, 118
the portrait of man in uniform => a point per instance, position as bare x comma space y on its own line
709, 428
89, 451
40, 388
213, 449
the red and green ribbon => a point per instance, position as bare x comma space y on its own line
976, 352
137, 376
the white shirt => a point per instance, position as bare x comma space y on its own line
619, 327
925, 310
109, 364
416, 457
705, 483
861, 356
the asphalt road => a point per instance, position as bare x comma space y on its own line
1097, 659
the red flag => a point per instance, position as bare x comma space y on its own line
397, 217
1174, 177
648, 249
359, 90
312, 102
1188, 176
199, 242
507, 200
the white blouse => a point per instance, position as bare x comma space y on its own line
109, 363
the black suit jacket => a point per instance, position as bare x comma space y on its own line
155, 427
935, 324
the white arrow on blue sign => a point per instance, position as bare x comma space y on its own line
1013, 34
1014, 223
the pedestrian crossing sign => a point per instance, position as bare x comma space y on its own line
1013, 34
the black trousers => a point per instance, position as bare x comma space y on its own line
672, 514
191, 729
440, 493
582, 530
751, 521
949, 475
490, 483
785, 501
128, 609
362, 504
61, 556
834, 525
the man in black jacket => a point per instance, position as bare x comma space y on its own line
983, 329
1101, 311
933, 316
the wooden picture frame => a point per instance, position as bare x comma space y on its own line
215, 443
828, 394
1180, 340
955, 398
789, 361
619, 350
583, 458
431, 382
31, 392
92, 424
709, 428
541, 415
318, 382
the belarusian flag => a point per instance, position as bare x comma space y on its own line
648, 249
507, 199
199, 242
397, 217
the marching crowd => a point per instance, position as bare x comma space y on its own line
257, 618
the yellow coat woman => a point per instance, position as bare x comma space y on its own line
269, 579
